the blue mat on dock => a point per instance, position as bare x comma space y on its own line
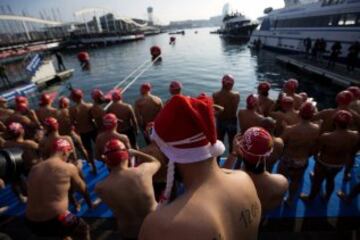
318, 208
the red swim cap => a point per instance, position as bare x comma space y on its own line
175, 87
64, 102
15, 129
264, 87
109, 121
116, 95
115, 152
307, 111
155, 51
76, 95
97, 95
251, 101
51, 123
343, 118
22, 107
62, 145
228, 81
355, 91
287, 102
45, 99
145, 88
256, 144
21, 99
303, 96
291, 85
344, 98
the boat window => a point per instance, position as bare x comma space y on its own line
342, 20
265, 25
350, 19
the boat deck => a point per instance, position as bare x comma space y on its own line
338, 75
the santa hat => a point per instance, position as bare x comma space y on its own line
228, 81
115, 152
194, 137
256, 145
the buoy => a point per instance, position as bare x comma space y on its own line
83, 56
155, 51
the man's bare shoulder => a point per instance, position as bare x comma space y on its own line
31, 144
279, 182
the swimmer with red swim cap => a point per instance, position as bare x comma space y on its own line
192, 149
300, 140
147, 106
355, 104
125, 112
81, 118
266, 104
175, 88
255, 147
30, 156
136, 198
45, 109
47, 211
226, 119
333, 154
110, 124
290, 87
250, 117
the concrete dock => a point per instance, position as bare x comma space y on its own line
337, 75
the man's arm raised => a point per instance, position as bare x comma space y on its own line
149, 163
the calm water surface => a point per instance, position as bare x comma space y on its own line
197, 60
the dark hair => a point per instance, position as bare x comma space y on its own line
254, 168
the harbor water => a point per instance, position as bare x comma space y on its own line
197, 60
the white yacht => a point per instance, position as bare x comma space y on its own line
237, 26
286, 29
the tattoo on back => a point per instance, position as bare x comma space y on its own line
247, 215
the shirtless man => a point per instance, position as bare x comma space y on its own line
81, 118
136, 199
231, 212
226, 121
109, 126
97, 111
175, 88
126, 114
300, 142
355, 104
289, 89
66, 127
49, 182
27, 117
287, 117
336, 149
146, 108
266, 104
249, 117
255, 146
269, 125
30, 155
45, 110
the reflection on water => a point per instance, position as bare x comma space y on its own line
197, 60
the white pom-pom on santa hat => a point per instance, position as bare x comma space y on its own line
185, 132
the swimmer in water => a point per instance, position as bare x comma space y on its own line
147, 107
249, 117
266, 104
226, 120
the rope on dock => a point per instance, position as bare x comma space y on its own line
134, 79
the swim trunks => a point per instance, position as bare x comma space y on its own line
131, 134
329, 169
228, 127
64, 225
88, 138
294, 164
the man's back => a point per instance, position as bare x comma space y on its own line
106, 136
221, 208
123, 112
229, 100
133, 203
248, 119
48, 186
81, 115
45, 112
147, 108
300, 140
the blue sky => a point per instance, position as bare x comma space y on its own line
164, 10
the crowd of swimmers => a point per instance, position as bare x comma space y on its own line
174, 186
